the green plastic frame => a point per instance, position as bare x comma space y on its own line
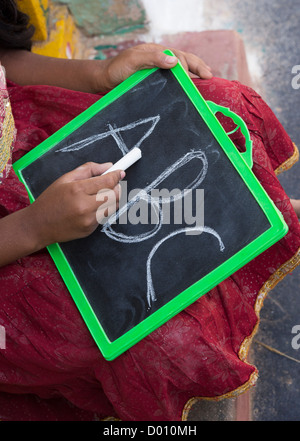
242, 162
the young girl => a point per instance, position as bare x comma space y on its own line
50, 367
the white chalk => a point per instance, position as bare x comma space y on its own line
129, 159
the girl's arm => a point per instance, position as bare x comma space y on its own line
27, 68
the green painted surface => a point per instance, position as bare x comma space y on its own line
105, 17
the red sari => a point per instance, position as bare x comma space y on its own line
51, 368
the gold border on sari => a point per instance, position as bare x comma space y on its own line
289, 162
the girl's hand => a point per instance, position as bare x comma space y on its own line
117, 69
94, 76
70, 209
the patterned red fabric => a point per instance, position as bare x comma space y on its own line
51, 367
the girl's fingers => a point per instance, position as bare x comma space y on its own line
85, 171
109, 203
151, 55
107, 182
148, 56
195, 65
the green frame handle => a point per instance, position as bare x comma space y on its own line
247, 155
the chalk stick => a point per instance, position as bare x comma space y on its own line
129, 159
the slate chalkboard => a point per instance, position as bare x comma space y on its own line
128, 279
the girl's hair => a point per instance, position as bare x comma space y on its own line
14, 30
